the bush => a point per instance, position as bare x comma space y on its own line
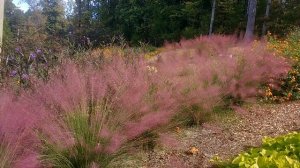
22, 66
290, 48
282, 151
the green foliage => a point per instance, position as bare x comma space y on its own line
282, 151
290, 86
8, 36
195, 115
150, 21
87, 148
54, 12
284, 16
226, 22
290, 48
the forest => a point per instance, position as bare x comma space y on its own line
150, 22
150, 84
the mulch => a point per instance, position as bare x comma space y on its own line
227, 137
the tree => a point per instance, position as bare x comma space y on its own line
230, 16
212, 16
1, 22
14, 19
79, 8
54, 12
251, 12
264, 28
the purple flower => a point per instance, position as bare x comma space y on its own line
38, 51
13, 73
25, 77
18, 49
32, 55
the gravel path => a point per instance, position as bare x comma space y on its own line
229, 136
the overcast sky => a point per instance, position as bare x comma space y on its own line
22, 5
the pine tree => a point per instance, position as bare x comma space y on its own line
54, 11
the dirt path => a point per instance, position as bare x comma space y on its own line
229, 136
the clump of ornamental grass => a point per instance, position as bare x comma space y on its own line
94, 116
17, 120
6, 154
207, 71
87, 117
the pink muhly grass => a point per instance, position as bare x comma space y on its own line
18, 117
176, 162
30, 160
66, 91
102, 111
208, 68
146, 123
168, 140
257, 66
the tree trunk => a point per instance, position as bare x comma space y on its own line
79, 8
251, 20
212, 17
1, 22
264, 28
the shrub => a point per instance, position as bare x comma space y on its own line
290, 48
20, 67
282, 151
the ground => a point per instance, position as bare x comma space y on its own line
226, 137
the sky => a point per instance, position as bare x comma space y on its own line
21, 4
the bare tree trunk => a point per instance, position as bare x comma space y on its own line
251, 20
1, 22
212, 17
264, 28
